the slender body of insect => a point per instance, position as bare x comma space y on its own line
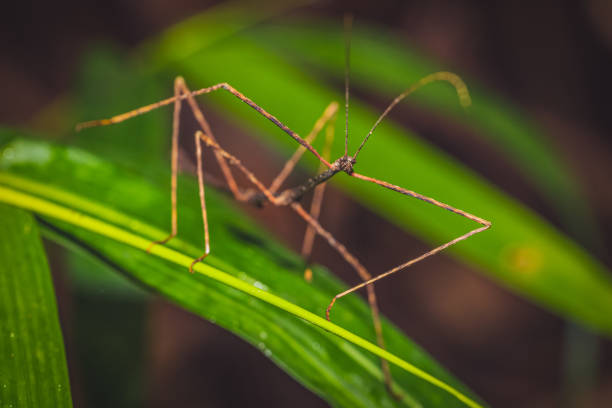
261, 195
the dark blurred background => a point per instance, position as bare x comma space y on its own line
553, 59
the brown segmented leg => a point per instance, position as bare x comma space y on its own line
205, 127
317, 201
364, 274
485, 225
181, 92
339, 247
202, 201
233, 161
174, 166
328, 115
180, 89
464, 100
225, 86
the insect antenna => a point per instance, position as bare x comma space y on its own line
348, 23
453, 79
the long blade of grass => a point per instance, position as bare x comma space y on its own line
81, 220
33, 369
89, 195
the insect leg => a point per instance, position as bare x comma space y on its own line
328, 117
326, 120
233, 161
205, 127
339, 247
364, 274
225, 86
174, 160
315, 206
202, 202
484, 226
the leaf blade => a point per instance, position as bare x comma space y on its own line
309, 354
33, 363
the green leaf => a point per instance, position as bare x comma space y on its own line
250, 284
522, 251
108, 321
33, 368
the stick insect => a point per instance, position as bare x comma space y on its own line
258, 194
